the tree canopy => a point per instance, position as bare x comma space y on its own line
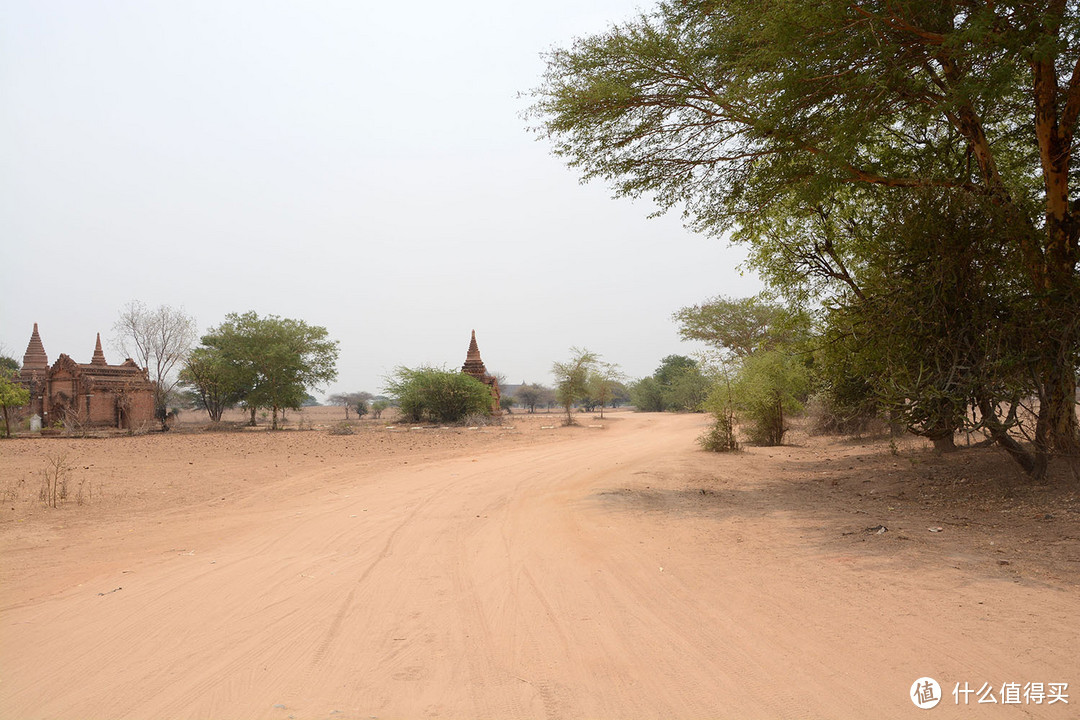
796, 124
572, 378
741, 326
677, 385
529, 395
268, 362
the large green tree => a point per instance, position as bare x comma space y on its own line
218, 382
268, 362
736, 110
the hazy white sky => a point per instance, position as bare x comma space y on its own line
362, 166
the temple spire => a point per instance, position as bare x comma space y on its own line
473, 364
99, 356
35, 357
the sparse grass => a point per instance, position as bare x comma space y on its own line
224, 426
480, 420
14, 489
84, 493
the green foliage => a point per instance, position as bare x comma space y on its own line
531, 396
602, 384
720, 437
687, 391
647, 395
377, 408
9, 363
12, 397
802, 123
677, 385
268, 362
357, 401
930, 322
572, 379
741, 326
437, 394
728, 107
673, 367
769, 386
218, 382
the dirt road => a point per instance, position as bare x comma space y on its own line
617, 574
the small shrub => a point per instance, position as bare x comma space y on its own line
720, 437
342, 428
437, 395
768, 387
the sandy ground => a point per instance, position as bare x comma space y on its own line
613, 571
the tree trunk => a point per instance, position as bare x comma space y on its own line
1053, 271
1034, 464
944, 443
1057, 430
273, 425
252, 423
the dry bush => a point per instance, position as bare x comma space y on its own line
826, 417
342, 428
54, 480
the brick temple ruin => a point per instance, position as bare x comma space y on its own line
475, 366
93, 394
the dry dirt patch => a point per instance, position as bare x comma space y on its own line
614, 571
898, 502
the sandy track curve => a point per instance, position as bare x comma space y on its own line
546, 581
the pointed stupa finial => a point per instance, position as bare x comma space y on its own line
99, 356
473, 364
35, 357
